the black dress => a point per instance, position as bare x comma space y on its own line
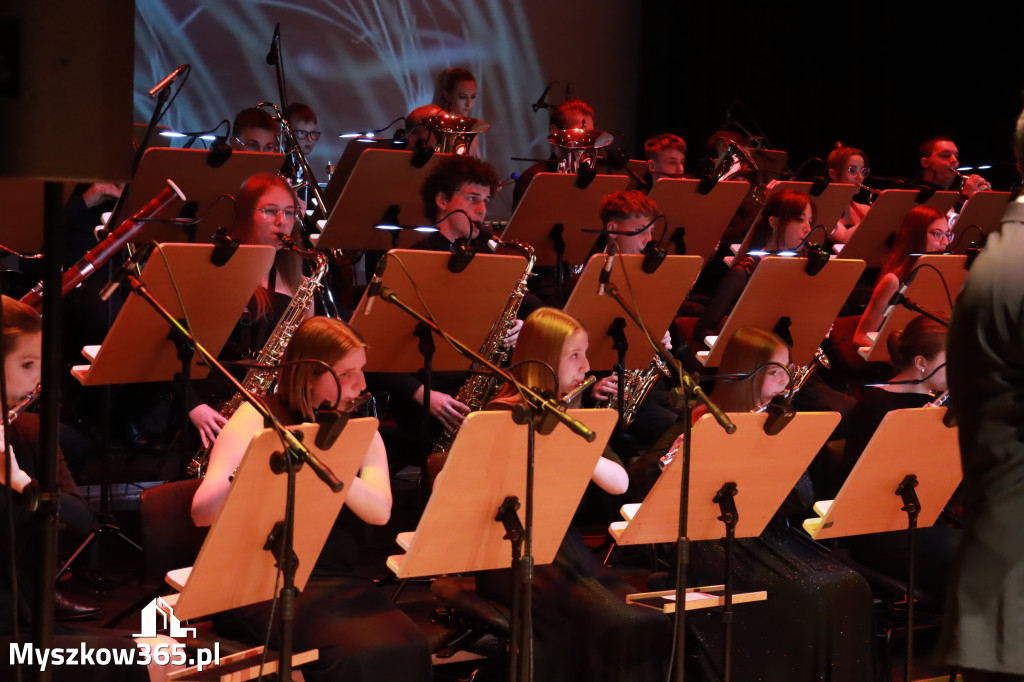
984, 627
816, 623
361, 635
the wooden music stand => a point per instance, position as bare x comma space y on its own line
138, 349
781, 290
381, 178
487, 463
984, 209
928, 291
702, 217
906, 474
254, 503
763, 467
659, 295
464, 304
553, 200
884, 218
908, 441
201, 183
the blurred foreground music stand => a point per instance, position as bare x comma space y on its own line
980, 216
471, 516
138, 347
384, 188
202, 183
755, 468
250, 520
554, 212
465, 304
868, 242
804, 313
696, 221
929, 291
616, 342
906, 474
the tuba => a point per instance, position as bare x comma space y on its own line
579, 148
258, 380
454, 133
480, 387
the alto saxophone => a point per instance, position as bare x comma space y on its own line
636, 385
480, 387
259, 380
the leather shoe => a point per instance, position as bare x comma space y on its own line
67, 609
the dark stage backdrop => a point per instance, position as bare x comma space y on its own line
362, 63
879, 76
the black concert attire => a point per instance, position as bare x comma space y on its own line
582, 626
986, 380
78, 519
361, 635
817, 621
722, 301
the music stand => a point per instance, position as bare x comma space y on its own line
487, 463
928, 291
381, 179
22, 226
464, 304
347, 161
805, 312
983, 209
554, 212
137, 347
250, 519
659, 294
908, 472
750, 467
200, 182
697, 221
764, 467
884, 218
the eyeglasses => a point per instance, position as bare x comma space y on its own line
254, 146
271, 212
303, 134
941, 235
854, 170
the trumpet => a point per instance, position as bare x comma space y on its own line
872, 192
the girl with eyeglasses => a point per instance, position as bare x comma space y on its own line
848, 165
265, 212
924, 230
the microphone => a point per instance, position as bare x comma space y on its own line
167, 80
274, 42
541, 102
125, 270
606, 274
897, 298
373, 288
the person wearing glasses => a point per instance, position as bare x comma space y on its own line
848, 165
254, 130
924, 230
302, 119
265, 211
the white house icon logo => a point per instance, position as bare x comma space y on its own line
172, 624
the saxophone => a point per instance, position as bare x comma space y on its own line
636, 385
259, 380
479, 388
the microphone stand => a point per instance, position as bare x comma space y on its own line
685, 395
295, 450
539, 414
